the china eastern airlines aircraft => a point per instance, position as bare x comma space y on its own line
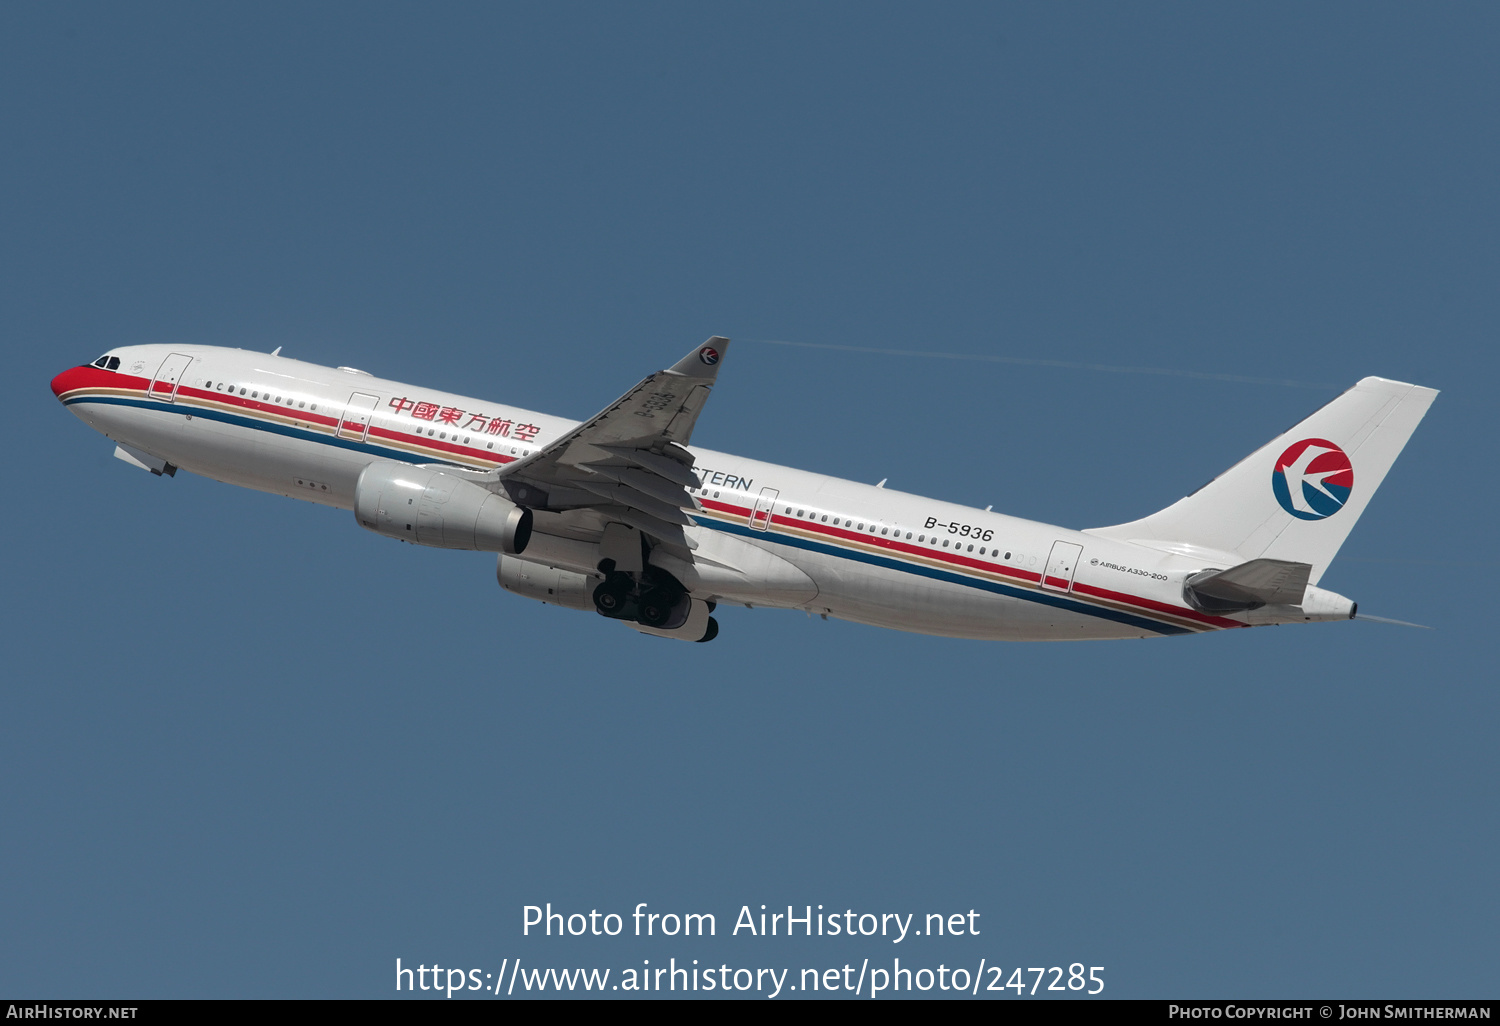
622, 516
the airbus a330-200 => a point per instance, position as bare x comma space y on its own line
622, 516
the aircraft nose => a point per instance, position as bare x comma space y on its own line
68, 380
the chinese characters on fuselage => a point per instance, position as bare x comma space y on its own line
479, 423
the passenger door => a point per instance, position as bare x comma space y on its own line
169, 376
765, 505
355, 423
1061, 565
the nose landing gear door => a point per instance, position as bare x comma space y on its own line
164, 385
1061, 565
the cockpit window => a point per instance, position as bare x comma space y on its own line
108, 362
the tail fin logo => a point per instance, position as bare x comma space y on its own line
1313, 479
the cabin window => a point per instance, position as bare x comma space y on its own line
716, 495
254, 395
799, 512
314, 406
921, 537
969, 549
981, 550
301, 405
1007, 555
908, 536
861, 527
444, 435
278, 398
825, 518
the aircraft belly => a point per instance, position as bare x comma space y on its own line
157, 431
740, 570
886, 597
283, 461
247, 457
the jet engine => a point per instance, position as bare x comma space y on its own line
429, 507
545, 583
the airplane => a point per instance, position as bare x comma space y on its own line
622, 516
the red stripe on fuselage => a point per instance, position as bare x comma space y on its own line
77, 379
1162, 607
970, 562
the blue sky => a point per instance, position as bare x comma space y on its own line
248, 749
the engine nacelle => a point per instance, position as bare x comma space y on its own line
429, 507
545, 583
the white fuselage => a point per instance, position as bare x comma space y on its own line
835, 547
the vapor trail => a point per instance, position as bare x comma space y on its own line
1026, 361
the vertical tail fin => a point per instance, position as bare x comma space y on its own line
1297, 497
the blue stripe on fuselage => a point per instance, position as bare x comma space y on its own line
302, 434
1010, 591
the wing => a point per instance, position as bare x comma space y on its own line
628, 463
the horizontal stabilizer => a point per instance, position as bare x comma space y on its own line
1260, 582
